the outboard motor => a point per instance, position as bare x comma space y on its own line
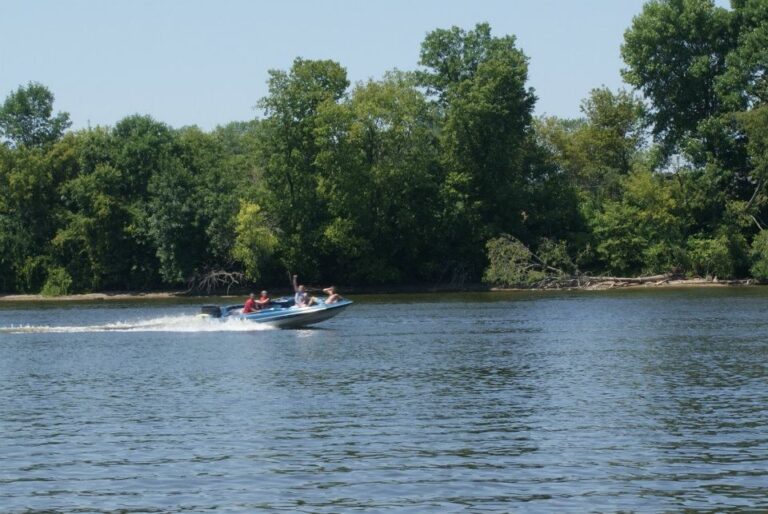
213, 311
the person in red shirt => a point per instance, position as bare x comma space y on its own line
263, 301
250, 304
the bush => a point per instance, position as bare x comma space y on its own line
663, 257
554, 254
759, 256
255, 241
711, 257
511, 263
31, 273
58, 283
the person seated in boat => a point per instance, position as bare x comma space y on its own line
301, 298
250, 304
263, 301
333, 296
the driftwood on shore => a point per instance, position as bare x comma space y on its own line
611, 282
607, 282
514, 266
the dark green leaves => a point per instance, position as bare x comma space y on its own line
26, 117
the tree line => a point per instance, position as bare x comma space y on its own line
439, 175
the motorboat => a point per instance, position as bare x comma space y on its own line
280, 312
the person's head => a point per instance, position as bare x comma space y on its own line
251, 295
263, 293
302, 289
332, 289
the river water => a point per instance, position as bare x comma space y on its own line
644, 400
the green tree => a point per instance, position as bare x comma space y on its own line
114, 220
479, 82
172, 223
92, 230
58, 283
744, 84
675, 50
29, 206
256, 242
192, 204
596, 151
759, 256
289, 152
380, 181
233, 174
711, 256
26, 117
643, 232
754, 125
511, 263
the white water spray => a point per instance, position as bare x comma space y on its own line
163, 324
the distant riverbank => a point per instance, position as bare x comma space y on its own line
91, 296
602, 283
585, 284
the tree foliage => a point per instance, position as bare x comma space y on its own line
479, 83
255, 242
289, 151
439, 175
674, 51
26, 117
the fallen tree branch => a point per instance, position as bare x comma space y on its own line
214, 280
632, 280
581, 281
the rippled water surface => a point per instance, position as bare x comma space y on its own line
571, 402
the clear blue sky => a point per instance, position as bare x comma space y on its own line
205, 63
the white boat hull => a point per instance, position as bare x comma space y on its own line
280, 316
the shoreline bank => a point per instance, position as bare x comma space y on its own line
92, 297
602, 284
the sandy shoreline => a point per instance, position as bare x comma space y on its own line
602, 284
595, 286
92, 297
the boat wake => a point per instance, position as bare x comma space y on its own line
163, 324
